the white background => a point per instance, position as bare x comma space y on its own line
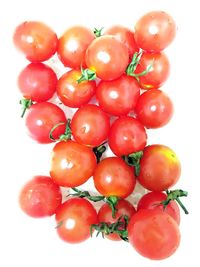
28, 242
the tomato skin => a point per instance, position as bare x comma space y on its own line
40, 197
72, 46
154, 234
155, 31
108, 57
113, 177
123, 207
154, 109
160, 168
75, 217
37, 82
127, 135
40, 120
118, 97
90, 125
72, 93
72, 164
152, 200
36, 40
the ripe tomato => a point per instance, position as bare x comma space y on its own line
158, 73
154, 109
127, 135
37, 82
40, 197
73, 44
72, 164
90, 125
72, 93
118, 97
105, 215
40, 120
154, 234
155, 31
36, 40
108, 57
74, 218
152, 200
113, 177
159, 168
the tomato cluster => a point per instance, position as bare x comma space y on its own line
113, 79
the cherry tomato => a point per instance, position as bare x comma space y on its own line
37, 82
40, 120
72, 164
118, 97
74, 218
40, 197
154, 109
108, 57
90, 125
155, 31
113, 177
73, 44
127, 135
154, 234
36, 40
159, 168
105, 215
152, 200
72, 93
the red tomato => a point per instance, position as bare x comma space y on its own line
73, 44
113, 177
37, 82
105, 215
40, 197
72, 93
154, 109
160, 168
74, 218
152, 200
154, 234
72, 164
155, 31
108, 57
40, 120
36, 40
127, 135
159, 72
118, 97
90, 125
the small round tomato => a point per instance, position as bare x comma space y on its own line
160, 168
90, 125
72, 164
73, 44
72, 93
158, 73
37, 82
155, 31
105, 215
108, 57
154, 234
152, 200
74, 218
118, 97
127, 135
113, 177
154, 109
40, 120
40, 197
36, 40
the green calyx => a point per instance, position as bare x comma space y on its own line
99, 150
98, 32
63, 137
134, 161
87, 75
26, 104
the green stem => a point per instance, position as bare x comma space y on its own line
63, 137
134, 161
87, 75
98, 32
26, 104
99, 150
